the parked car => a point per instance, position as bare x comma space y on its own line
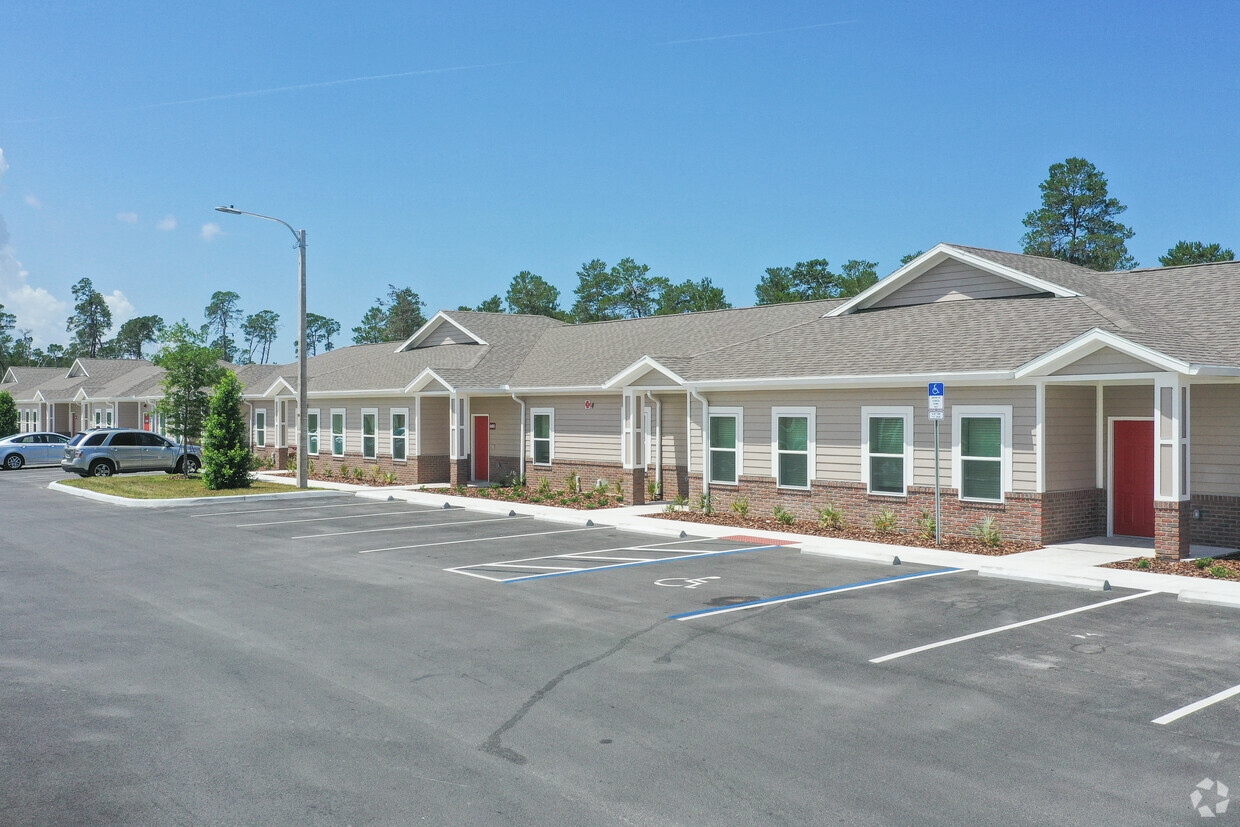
39, 448
108, 451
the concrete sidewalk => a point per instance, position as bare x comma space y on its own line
1069, 564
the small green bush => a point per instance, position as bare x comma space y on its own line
310, 467
885, 521
706, 504
653, 489
344, 470
544, 487
740, 505
988, 532
1220, 571
1203, 562
620, 489
600, 487
925, 525
1143, 563
327, 472
830, 516
572, 482
782, 516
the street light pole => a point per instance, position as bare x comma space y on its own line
302, 382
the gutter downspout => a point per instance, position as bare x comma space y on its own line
705, 438
521, 402
658, 444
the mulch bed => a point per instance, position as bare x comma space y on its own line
1184, 568
970, 545
588, 500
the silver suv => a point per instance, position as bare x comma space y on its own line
109, 451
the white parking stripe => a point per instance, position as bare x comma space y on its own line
998, 629
1196, 706
289, 508
418, 525
342, 517
486, 539
650, 546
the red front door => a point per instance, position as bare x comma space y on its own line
482, 454
1132, 481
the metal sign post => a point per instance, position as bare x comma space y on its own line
936, 416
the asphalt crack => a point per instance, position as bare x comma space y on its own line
493, 744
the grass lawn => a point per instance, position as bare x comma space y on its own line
168, 487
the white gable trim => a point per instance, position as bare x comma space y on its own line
9, 377
638, 368
275, 385
81, 395
933, 258
77, 365
428, 328
39, 397
1095, 340
425, 378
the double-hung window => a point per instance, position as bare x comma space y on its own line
337, 432
543, 431
312, 432
887, 449
792, 446
98, 417
370, 428
400, 433
260, 429
982, 451
726, 427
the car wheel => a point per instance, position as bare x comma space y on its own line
192, 464
14, 461
101, 468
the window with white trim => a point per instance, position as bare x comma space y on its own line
109, 417
98, 417
312, 431
370, 430
542, 430
260, 428
725, 438
887, 449
982, 451
400, 434
337, 432
792, 446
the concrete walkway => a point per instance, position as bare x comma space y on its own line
1070, 564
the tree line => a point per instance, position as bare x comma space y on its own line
1078, 222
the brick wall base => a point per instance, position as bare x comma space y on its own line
1219, 520
459, 471
1172, 521
1073, 515
413, 471
589, 473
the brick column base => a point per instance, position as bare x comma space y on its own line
281, 458
1171, 530
458, 471
639, 486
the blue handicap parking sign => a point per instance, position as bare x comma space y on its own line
936, 389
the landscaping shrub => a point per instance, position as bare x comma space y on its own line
925, 525
1203, 562
226, 458
1143, 562
988, 532
830, 516
1220, 571
782, 516
885, 521
741, 506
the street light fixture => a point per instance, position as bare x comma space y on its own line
302, 393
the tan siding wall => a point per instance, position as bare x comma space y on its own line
433, 427
1070, 430
952, 281
1105, 360
1214, 436
838, 429
674, 428
505, 415
353, 424
581, 434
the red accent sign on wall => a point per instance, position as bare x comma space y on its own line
589, 404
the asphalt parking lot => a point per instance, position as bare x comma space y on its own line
348, 661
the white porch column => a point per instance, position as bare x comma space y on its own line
1040, 436
1170, 438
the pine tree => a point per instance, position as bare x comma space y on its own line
226, 456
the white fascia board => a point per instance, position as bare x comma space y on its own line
9, 377
355, 394
271, 390
1094, 340
38, 397
641, 366
567, 389
423, 379
934, 257
890, 379
81, 396
426, 330
77, 363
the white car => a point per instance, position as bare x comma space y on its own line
38, 448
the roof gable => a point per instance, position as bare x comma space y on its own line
442, 329
948, 273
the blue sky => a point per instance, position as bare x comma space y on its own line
706, 139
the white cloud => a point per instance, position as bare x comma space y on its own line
4, 167
122, 309
210, 230
36, 309
33, 201
167, 223
127, 217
